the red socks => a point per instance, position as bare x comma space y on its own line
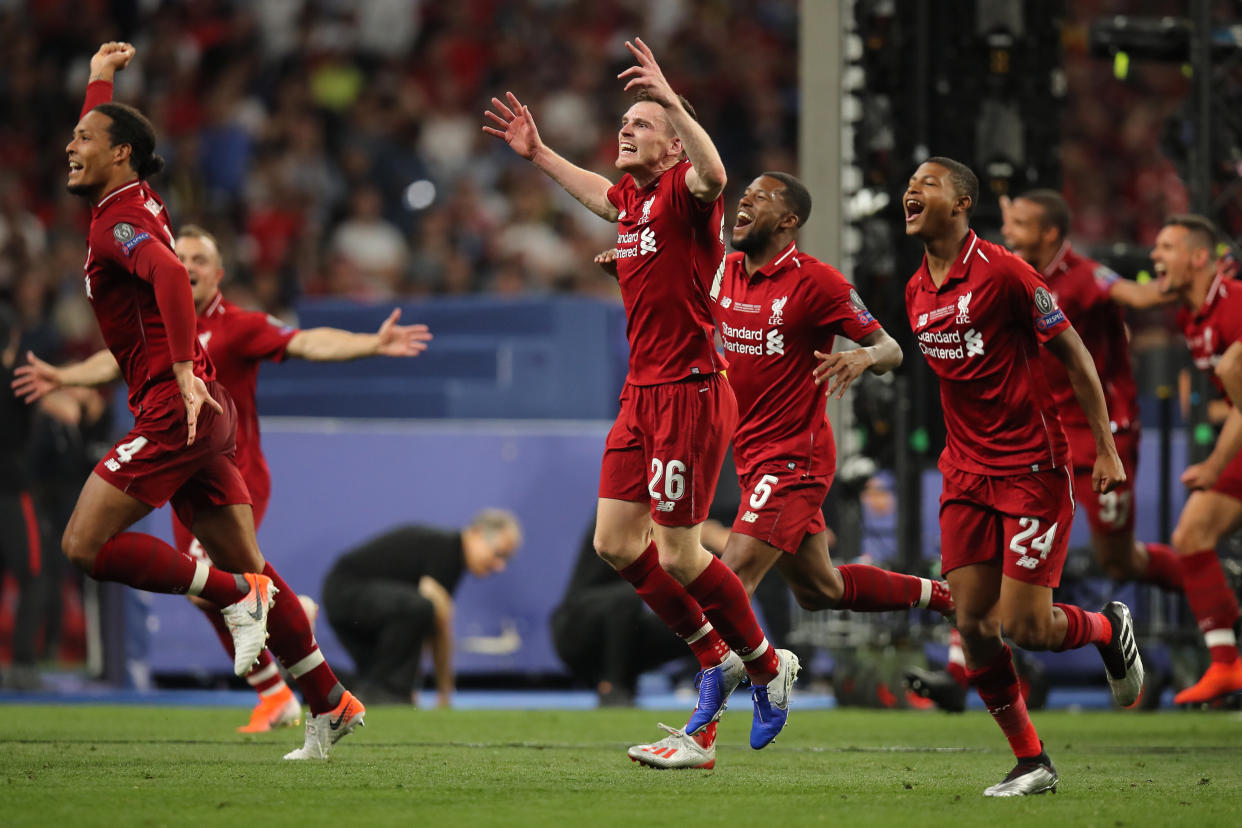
723, 598
672, 605
146, 562
263, 675
1164, 568
997, 683
1212, 602
957, 660
871, 589
293, 642
1083, 628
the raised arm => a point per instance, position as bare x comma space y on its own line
706, 178
1229, 443
36, 379
336, 345
879, 354
1068, 348
516, 127
105, 63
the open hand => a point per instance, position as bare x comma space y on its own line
647, 75
401, 340
515, 125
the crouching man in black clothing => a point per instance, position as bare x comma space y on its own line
387, 597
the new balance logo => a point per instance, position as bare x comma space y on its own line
749, 517
776, 342
1027, 562
112, 464
974, 343
665, 505
647, 241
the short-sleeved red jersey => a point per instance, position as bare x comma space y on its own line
980, 332
238, 341
1081, 289
1215, 326
771, 323
127, 225
670, 246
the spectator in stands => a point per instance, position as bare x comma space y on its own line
375, 252
389, 596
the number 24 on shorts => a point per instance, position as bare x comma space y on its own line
1041, 543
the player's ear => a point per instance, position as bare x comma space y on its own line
963, 204
122, 153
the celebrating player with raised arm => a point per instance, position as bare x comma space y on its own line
778, 311
1185, 256
238, 342
662, 457
181, 446
980, 314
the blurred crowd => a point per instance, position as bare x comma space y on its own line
336, 149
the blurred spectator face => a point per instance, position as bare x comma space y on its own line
1024, 229
488, 553
202, 262
646, 142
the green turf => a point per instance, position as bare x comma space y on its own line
72, 766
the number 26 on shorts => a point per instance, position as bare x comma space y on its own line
671, 475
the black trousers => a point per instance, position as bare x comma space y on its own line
382, 624
22, 555
606, 633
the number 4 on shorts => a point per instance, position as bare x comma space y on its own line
126, 451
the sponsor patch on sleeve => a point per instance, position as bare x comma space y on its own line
1049, 314
1106, 275
860, 310
127, 237
279, 323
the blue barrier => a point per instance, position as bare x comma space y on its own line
553, 358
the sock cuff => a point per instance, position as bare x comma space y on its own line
1002, 660
642, 566
312, 660
709, 579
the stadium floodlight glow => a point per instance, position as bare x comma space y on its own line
420, 195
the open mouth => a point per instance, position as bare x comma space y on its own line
1160, 267
914, 209
627, 148
744, 219
74, 166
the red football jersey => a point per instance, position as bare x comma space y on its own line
1215, 326
670, 246
980, 332
238, 341
126, 225
1081, 289
771, 323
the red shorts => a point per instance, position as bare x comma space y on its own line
781, 506
260, 492
667, 446
1111, 513
1023, 519
153, 464
1230, 481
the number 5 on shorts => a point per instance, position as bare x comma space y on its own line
763, 490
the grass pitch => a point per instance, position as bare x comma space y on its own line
89, 765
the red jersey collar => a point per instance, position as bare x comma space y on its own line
214, 304
785, 259
960, 269
1215, 291
135, 183
1058, 260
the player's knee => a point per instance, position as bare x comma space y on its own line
1118, 569
976, 628
1030, 632
1191, 536
78, 549
615, 551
